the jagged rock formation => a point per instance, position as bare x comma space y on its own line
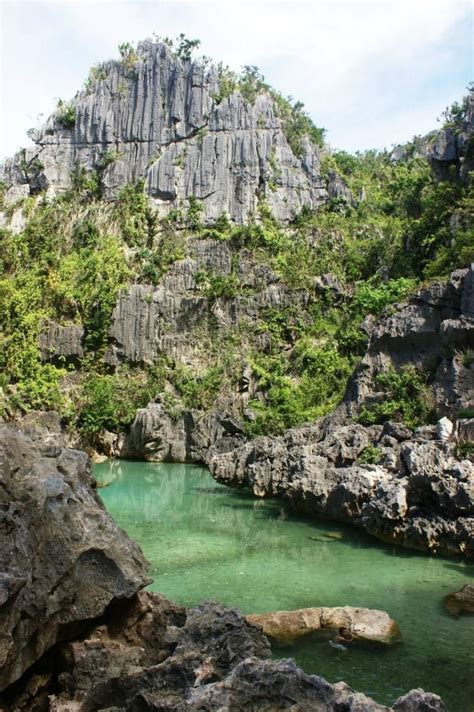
162, 120
150, 654
62, 559
449, 148
63, 343
420, 495
173, 317
431, 332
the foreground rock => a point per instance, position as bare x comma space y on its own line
63, 560
461, 601
363, 623
152, 655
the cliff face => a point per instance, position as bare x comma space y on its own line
165, 121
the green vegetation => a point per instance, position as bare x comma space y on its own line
110, 401
370, 455
296, 123
405, 398
128, 55
66, 114
465, 450
453, 116
97, 74
330, 270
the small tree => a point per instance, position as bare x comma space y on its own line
185, 47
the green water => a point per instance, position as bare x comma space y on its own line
205, 541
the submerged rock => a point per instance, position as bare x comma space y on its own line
363, 623
63, 560
461, 601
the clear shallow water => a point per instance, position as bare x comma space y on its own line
205, 541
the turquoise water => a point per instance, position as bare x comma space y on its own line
205, 541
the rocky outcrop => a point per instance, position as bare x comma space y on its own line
76, 636
367, 624
461, 601
448, 149
452, 146
61, 343
419, 495
158, 437
432, 331
63, 561
175, 317
165, 121
150, 654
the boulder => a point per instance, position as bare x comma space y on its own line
367, 624
461, 601
152, 655
63, 560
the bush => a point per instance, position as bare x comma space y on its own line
407, 399
110, 401
370, 455
66, 114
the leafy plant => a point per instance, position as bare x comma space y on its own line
128, 55
406, 399
66, 114
185, 47
370, 455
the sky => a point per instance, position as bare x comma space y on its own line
374, 73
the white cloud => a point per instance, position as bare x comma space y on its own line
374, 73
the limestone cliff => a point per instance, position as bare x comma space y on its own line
166, 121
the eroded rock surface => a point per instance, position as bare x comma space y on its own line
432, 331
420, 495
62, 558
164, 121
421, 491
152, 655
61, 343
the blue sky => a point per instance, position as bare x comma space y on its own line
373, 73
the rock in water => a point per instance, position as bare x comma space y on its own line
364, 623
461, 601
62, 558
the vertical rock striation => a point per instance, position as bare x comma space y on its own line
163, 120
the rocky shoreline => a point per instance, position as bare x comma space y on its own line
419, 489
78, 636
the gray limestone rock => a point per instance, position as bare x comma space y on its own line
161, 121
62, 559
57, 341
431, 332
173, 317
420, 495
